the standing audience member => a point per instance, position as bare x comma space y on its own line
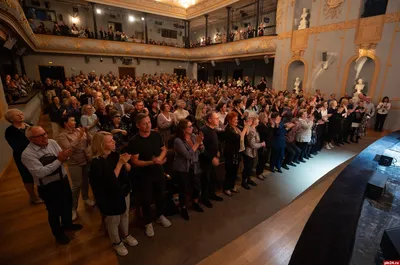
89, 119
44, 159
210, 159
180, 113
119, 130
382, 112
148, 155
110, 183
56, 113
78, 141
303, 136
166, 123
15, 136
234, 145
187, 148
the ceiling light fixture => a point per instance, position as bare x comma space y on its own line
186, 3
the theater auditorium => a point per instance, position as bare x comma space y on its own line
210, 132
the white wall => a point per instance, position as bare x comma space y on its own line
154, 31
73, 64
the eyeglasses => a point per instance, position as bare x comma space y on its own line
39, 136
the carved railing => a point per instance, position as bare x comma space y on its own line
12, 13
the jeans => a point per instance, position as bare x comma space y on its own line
116, 223
58, 200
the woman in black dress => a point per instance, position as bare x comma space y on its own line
110, 184
15, 136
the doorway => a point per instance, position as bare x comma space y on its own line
52, 72
180, 72
201, 75
127, 71
238, 73
115, 26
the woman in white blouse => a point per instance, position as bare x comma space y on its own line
89, 119
303, 136
180, 112
382, 112
221, 112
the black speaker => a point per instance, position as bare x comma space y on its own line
390, 243
87, 59
324, 56
385, 161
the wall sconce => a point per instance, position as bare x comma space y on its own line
75, 20
98, 11
131, 18
325, 61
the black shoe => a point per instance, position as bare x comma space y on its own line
296, 162
351, 140
73, 227
63, 239
246, 186
302, 160
307, 157
347, 142
217, 198
310, 156
207, 204
285, 167
251, 182
279, 170
184, 213
197, 207
272, 170
292, 164
314, 153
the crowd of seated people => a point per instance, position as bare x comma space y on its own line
235, 35
18, 87
61, 29
118, 134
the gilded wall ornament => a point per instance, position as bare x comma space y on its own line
332, 8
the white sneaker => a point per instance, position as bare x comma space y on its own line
74, 215
149, 230
130, 240
164, 221
90, 202
121, 249
327, 146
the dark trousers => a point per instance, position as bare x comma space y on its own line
380, 121
231, 170
189, 183
262, 160
320, 137
57, 197
346, 130
208, 180
248, 163
292, 153
303, 149
151, 186
277, 155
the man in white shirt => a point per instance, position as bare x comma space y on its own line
44, 159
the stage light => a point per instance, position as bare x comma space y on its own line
131, 18
98, 11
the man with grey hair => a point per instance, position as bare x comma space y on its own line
44, 159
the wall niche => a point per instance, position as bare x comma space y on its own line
295, 69
361, 68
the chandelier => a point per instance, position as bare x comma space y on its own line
186, 3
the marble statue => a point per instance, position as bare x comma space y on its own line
358, 90
297, 85
303, 21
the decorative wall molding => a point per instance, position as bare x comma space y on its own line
369, 29
279, 12
332, 8
299, 40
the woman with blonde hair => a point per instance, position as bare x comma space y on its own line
110, 184
89, 119
201, 111
180, 112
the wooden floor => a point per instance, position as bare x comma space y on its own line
25, 236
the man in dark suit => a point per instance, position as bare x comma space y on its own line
123, 107
87, 97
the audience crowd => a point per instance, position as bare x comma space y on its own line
156, 135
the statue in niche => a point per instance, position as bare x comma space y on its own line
303, 21
358, 88
297, 84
